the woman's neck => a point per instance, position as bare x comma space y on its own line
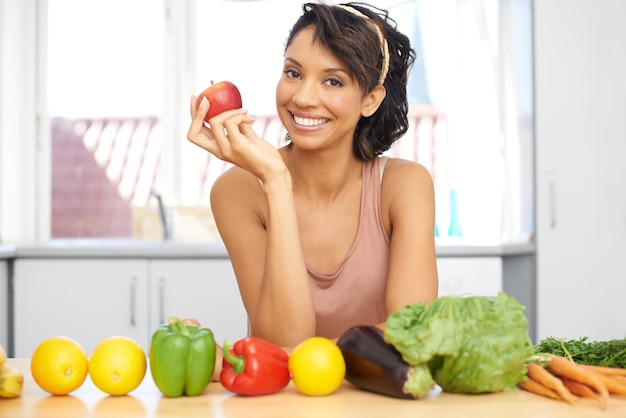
322, 178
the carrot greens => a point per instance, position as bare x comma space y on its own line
611, 353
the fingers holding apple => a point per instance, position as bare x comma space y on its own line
213, 136
221, 96
223, 128
228, 130
215, 100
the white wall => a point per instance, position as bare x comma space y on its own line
580, 79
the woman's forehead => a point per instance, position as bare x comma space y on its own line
304, 43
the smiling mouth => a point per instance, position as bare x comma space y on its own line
309, 121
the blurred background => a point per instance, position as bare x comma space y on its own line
115, 78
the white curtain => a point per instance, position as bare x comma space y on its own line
472, 63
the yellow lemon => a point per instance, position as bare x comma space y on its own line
59, 365
317, 366
117, 365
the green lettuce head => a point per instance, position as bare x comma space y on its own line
472, 344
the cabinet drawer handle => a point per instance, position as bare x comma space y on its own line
162, 300
133, 297
552, 190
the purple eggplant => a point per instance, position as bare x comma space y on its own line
374, 365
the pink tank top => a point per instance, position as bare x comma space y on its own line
354, 294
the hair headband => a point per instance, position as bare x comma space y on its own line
384, 48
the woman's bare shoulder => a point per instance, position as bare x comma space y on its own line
236, 186
407, 199
402, 171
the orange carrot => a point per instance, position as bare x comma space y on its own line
566, 368
543, 376
614, 384
578, 389
582, 390
532, 386
608, 371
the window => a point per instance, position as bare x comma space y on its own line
119, 77
105, 78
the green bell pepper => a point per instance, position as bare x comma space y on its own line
182, 358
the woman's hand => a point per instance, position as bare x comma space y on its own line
219, 360
191, 321
230, 138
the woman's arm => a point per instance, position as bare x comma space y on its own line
259, 228
258, 225
288, 317
409, 202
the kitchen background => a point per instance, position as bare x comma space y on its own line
516, 109
113, 102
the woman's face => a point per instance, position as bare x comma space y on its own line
317, 101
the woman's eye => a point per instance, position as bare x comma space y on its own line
291, 73
334, 82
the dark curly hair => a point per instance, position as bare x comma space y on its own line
355, 42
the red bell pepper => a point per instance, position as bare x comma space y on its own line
253, 367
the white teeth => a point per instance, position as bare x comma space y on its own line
308, 121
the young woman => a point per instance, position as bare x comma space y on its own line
324, 233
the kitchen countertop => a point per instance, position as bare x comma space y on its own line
7, 251
347, 402
137, 248
118, 248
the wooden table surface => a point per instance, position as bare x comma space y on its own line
147, 401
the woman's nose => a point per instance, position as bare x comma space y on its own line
306, 95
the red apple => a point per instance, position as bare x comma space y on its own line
222, 96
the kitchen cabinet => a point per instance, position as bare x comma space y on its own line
90, 290
202, 289
4, 304
580, 62
87, 300
91, 299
